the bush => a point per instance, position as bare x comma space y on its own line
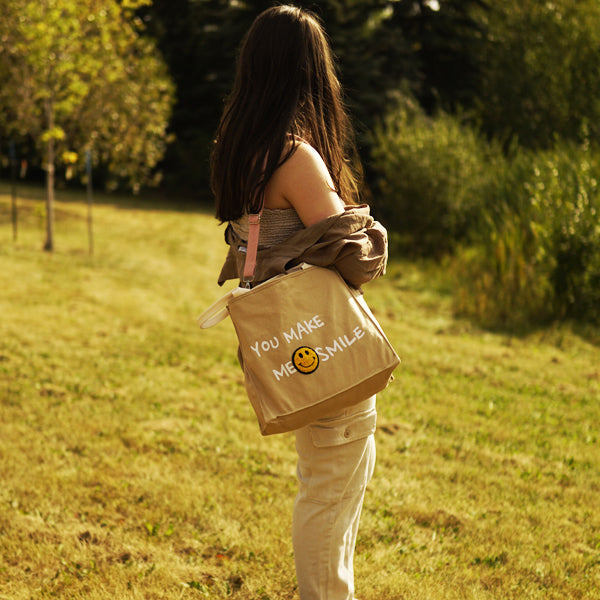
525, 226
537, 257
432, 174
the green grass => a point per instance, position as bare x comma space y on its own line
131, 465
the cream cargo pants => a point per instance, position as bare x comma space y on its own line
336, 457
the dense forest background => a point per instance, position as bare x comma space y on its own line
478, 125
432, 50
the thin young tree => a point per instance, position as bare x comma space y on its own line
80, 74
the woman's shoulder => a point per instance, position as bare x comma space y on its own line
304, 167
304, 156
304, 183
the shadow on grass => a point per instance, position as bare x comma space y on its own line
555, 332
155, 200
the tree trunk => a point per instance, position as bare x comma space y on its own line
90, 200
49, 245
13, 186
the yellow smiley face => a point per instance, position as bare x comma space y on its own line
305, 359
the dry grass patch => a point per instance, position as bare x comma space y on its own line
132, 466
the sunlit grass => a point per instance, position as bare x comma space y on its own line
132, 466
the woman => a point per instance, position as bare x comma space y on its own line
285, 147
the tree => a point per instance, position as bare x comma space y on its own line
447, 37
80, 76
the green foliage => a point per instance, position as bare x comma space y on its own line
433, 174
540, 71
79, 75
538, 256
526, 224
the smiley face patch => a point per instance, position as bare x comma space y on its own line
305, 359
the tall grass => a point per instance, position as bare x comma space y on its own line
535, 256
132, 466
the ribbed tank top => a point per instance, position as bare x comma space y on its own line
276, 224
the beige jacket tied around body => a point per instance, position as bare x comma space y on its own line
352, 242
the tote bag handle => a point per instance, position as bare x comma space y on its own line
217, 311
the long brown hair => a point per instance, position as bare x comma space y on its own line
285, 84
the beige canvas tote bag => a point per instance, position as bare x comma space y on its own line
309, 344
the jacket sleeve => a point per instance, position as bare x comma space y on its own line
364, 255
360, 255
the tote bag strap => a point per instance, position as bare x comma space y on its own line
253, 234
252, 248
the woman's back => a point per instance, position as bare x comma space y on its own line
276, 225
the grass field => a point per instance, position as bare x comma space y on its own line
131, 466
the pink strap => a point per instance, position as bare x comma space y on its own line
253, 234
252, 249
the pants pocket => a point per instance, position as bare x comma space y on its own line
343, 430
